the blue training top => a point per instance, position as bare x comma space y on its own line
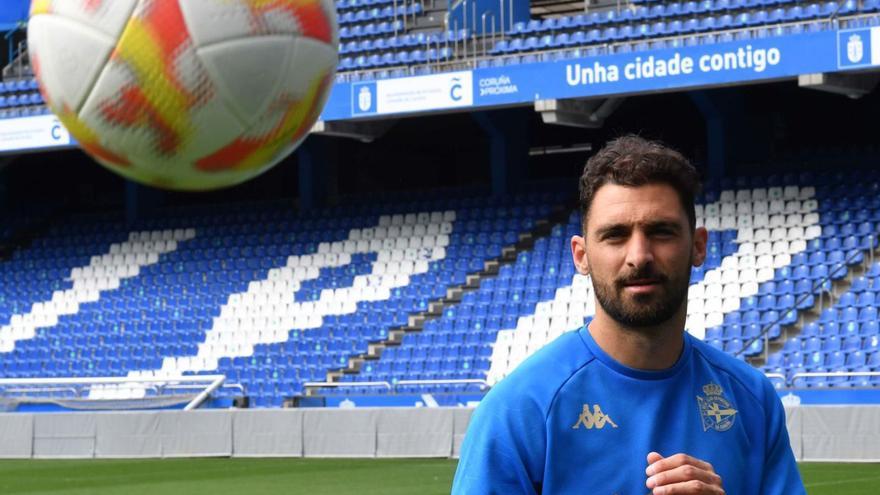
571, 419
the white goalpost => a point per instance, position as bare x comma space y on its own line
112, 393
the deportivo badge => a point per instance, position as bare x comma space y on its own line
715, 410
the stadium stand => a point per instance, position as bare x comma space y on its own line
773, 254
276, 301
233, 298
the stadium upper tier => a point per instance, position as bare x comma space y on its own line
380, 39
21, 98
273, 300
380, 46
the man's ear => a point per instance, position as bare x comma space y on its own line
701, 239
579, 254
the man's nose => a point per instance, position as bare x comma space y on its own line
638, 251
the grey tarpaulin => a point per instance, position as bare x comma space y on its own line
339, 432
828, 433
841, 433
128, 434
420, 432
794, 421
267, 432
196, 433
64, 435
16, 435
461, 420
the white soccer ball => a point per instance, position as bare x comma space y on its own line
185, 94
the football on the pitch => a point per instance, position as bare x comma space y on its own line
185, 94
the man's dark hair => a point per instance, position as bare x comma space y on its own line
633, 161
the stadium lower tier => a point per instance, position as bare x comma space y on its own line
439, 296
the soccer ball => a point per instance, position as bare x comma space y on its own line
185, 94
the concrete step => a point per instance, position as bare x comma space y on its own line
431, 20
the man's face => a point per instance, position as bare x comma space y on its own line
639, 250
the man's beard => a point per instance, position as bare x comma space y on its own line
642, 310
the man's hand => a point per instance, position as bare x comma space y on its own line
681, 473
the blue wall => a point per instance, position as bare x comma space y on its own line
12, 12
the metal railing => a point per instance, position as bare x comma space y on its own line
16, 66
792, 383
381, 384
483, 22
393, 386
832, 374
777, 376
460, 381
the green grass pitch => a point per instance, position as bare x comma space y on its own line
307, 476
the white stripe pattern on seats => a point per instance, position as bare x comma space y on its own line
104, 272
267, 312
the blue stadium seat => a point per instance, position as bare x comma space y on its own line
642, 30
794, 13
869, 328
657, 11
815, 361
608, 34
561, 40
567, 22
532, 26
758, 18
690, 26
812, 344
673, 27
624, 33
516, 45
829, 8
811, 11
548, 24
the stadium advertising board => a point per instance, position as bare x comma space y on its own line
38, 132
624, 73
411, 94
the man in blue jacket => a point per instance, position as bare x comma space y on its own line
632, 404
